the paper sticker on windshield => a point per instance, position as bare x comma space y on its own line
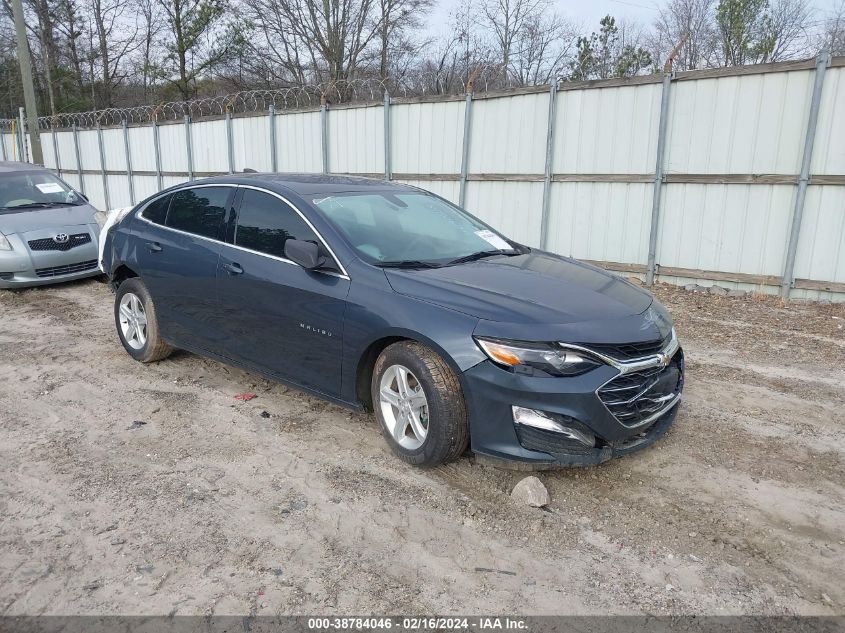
494, 240
50, 187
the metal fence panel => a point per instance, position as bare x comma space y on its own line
739, 125
606, 130
141, 148
118, 191
210, 146
174, 153
427, 137
298, 142
89, 150
356, 140
64, 140
94, 190
509, 134
736, 228
600, 221
511, 207
47, 149
829, 152
447, 189
145, 186
113, 149
821, 246
251, 144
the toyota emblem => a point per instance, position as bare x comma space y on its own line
61, 238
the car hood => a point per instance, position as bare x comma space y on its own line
24, 220
535, 288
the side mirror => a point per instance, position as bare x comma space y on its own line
306, 254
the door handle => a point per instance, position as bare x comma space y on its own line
153, 247
234, 268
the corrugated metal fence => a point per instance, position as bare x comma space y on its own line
730, 193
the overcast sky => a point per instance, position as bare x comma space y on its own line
588, 13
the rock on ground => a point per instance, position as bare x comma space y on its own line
531, 492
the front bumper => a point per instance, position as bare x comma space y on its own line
492, 392
23, 267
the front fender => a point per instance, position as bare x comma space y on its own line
447, 332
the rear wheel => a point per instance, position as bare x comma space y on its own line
137, 325
418, 401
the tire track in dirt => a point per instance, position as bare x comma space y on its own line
218, 510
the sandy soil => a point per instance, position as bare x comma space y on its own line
134, 489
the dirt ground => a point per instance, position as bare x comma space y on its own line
130, 489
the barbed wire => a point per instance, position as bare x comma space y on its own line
287, 98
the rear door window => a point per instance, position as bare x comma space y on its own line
199, 211
265, 223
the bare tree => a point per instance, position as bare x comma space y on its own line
275, 54
150, 22
396, 18
316, 40
70, 30
116, 38
472, 52
690, 21
788, 30
506, 19
544, 47
832, 38
10, 85
39, 24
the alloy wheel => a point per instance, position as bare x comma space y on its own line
404, 406
133, 320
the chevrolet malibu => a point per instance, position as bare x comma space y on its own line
48, 232
384, 297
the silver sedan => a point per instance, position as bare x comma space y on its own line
48, 232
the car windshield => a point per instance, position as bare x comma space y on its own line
26, 190
414, 230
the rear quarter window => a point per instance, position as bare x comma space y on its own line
199, 211
156, 211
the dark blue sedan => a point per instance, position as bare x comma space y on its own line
385, 297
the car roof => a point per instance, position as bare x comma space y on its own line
312, 184
7, 166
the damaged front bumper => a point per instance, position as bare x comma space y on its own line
533, 423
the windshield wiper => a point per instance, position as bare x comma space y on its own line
42, 205
480, 255
408, 263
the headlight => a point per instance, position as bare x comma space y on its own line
4, 243
101, 217
550, 358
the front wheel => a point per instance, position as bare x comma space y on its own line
137, 325
419, 402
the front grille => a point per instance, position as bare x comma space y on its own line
633, 397
48, 244
629, 351
6, 276
69, 269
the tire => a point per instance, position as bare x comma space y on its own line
443, 419
147, 347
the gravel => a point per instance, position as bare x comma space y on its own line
739, 509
